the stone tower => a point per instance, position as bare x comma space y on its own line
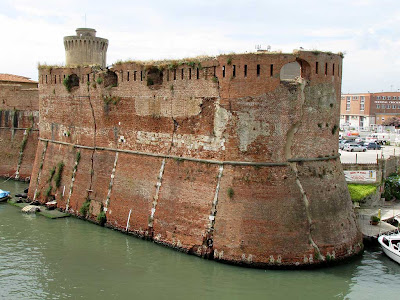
85, 48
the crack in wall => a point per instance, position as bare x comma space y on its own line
40, 168
155, 198
208, 240
288, 154
71, 186
111, 182
94, 146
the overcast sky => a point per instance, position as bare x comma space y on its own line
367, 31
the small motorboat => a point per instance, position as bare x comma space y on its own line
4, 195
390, 245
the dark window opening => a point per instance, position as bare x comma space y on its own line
215, 71
326, 68
182, 74
64, 76
223, 71
55, 78
271, 70
46, 78
167, 75
245, 70
190, 73
141, 75
197, 73
73, 80
316, 67
88, 77
333, 70
234, 70
154, 78
258, 70
175, 74
110, 79
127, 76
134, 75
15, 119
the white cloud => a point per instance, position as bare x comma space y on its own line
367, 30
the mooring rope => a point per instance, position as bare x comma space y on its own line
9, 178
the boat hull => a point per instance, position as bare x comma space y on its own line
391, 253
4, 199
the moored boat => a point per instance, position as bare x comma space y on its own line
4, 195
390, 245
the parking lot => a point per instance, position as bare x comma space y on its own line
369, 156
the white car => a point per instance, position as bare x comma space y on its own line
354, 148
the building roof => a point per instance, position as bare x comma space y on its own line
15, 78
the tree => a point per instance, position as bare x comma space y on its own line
392, 121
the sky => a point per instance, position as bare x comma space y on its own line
367, 31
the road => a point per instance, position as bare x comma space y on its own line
369, 156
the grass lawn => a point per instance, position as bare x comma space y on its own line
360, 191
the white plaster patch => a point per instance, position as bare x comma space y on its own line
187, 141
249, 129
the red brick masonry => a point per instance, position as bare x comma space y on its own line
241, 168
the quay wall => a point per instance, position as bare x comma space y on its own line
19, 117
225, 158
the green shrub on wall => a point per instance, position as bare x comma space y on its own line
392, 187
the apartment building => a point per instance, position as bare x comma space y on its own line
359, 111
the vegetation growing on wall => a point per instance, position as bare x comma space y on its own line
57, 177
392, 187
67, 84
101, 217
85, 207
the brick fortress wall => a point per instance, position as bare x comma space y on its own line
19, 116
219, 158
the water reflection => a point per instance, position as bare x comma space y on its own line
70, 258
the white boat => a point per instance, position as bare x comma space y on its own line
390, 245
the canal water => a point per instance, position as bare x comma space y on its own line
73, 259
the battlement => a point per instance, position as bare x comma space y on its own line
245, 73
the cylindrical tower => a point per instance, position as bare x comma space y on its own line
85, 48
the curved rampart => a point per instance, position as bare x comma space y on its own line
224, 157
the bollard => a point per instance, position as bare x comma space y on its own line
356, 158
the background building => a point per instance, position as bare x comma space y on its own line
359, 111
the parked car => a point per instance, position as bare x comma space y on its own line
354, 148
342, 143
374, 146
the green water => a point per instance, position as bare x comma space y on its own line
73, 259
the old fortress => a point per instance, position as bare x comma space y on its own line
232, 158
